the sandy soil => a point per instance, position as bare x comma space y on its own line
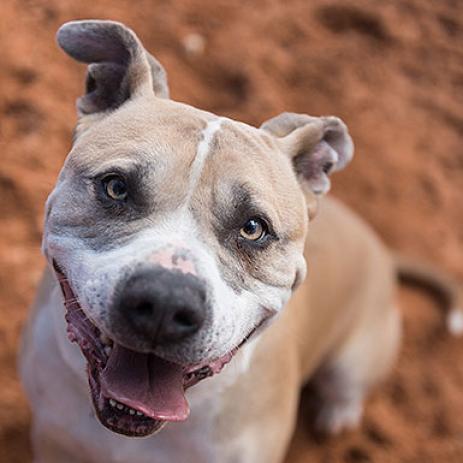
392, 69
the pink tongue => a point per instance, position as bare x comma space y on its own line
146, 383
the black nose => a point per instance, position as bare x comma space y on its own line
162, 305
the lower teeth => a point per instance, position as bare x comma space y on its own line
122, 407
105, 340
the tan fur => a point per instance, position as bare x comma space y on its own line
343, 316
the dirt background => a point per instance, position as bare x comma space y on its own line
393, 69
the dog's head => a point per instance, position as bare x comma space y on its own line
175, 234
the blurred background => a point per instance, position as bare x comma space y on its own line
392, 69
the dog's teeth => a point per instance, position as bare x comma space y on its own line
119, 406
112, 402
139, 413
104, 339
108, 350
131, 411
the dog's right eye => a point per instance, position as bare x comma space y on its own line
115, 187
254, 229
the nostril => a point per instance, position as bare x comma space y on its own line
145, 309
185, 319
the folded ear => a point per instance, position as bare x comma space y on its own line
317, 146
119, 67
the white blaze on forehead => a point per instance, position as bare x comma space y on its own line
202, 152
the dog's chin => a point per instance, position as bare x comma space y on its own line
133, 393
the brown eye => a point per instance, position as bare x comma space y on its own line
115, 187
254, 229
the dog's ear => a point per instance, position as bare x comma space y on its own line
317, 146
119, 67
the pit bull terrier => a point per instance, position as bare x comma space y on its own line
176, 240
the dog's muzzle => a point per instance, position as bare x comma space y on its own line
135, 391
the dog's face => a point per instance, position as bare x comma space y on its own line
176, 234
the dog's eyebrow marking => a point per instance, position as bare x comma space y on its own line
202, 152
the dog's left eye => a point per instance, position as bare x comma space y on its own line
254, 229
115, 187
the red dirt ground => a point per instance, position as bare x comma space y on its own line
392, 69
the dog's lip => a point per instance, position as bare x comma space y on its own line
96, 355
217, 362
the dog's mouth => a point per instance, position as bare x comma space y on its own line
133, 393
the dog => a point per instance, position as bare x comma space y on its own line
175, 305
